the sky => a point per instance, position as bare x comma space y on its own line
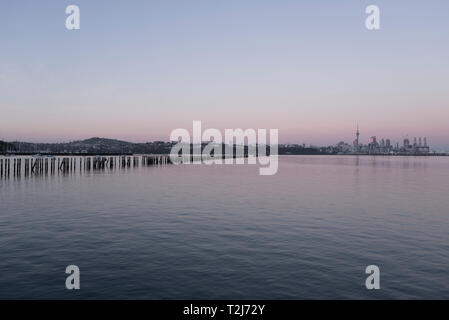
136, 70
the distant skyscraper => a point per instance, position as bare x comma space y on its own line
406, 143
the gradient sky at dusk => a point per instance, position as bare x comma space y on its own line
138, 69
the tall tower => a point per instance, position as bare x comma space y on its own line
356, 147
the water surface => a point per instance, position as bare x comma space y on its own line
224, 232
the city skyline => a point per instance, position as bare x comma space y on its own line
383, 145
368, 137
311, 70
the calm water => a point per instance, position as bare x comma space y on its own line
197, 231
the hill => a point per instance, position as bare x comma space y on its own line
93, 145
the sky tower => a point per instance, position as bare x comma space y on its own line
356, 141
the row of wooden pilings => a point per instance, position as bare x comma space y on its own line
45, 165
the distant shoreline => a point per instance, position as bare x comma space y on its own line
109, 147
60, 154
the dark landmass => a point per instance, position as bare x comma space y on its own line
100, 146
298, 150
5, 147
103, 146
